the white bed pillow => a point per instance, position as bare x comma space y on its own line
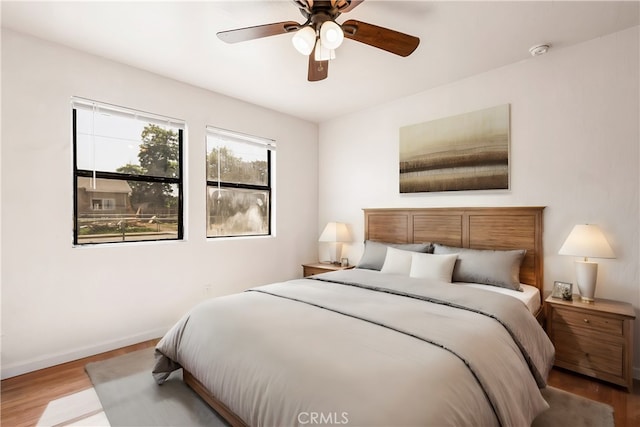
430, 266
375, 252
397, 261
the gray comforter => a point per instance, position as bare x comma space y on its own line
364, 348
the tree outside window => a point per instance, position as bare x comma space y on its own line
136, 165
239, 184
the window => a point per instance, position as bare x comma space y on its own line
239, 184
127, 175
103, 204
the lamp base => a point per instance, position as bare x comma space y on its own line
586, 275
335, 252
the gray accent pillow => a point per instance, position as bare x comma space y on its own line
376, 252
497, 268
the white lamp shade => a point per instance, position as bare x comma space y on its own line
587, 240
335, 232
304, 40
331, 35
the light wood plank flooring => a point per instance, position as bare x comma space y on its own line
24, 398
626, 406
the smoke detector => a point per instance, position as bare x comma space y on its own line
539, 49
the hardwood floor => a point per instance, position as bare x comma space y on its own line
24, 398
626, 406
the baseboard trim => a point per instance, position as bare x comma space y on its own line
47, 361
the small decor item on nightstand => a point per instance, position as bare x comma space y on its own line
562, 290
344, 262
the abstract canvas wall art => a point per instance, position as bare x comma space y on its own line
465, 152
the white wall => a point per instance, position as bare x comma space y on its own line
574, 149
60, 302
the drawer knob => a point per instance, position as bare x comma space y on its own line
586, 320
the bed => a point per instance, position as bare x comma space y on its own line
387, 346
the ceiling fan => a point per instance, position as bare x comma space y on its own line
320, 34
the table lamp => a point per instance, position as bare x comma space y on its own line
587, 241
335, 233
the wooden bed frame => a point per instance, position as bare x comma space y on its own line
499, 228
477, 228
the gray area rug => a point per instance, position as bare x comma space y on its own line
568, 409
130, 397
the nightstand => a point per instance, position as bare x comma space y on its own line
594, 339
319, 267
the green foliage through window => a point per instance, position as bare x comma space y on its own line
128, 175
239, 184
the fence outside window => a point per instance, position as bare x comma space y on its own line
128, 175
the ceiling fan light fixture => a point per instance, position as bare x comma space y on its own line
331, 35
304, 40
323, 53
320, 34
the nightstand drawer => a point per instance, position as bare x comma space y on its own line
312, 271
588, 353
593, 338
576, 320
319, 268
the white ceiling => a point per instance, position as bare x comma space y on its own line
178, 39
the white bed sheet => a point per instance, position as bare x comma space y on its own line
530, 295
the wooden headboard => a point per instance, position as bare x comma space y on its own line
501, 228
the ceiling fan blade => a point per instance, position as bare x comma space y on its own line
305, 5
257, 32
380, 37
318, 70
345, 6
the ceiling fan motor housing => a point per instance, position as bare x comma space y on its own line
327, 8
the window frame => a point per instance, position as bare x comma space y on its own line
96, 174
270, 146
